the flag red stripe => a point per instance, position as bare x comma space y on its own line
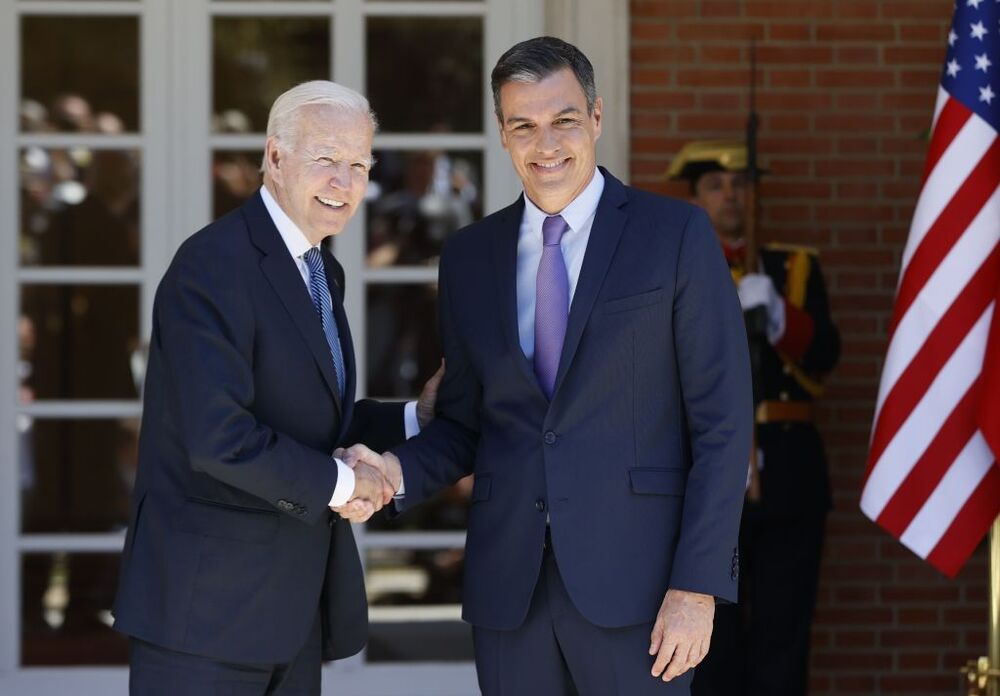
947, 229
932, 465
969, 526
946, 336
951, 120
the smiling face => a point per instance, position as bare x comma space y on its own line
320, 179
551, 139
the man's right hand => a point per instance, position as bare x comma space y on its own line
377, 479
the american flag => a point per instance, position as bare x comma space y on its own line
932, 478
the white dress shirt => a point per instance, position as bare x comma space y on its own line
298, 245
579, 216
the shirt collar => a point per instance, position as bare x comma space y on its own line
579, 210
290, 233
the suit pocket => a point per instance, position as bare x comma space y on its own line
624, 304
481, 488
212, 519
648, 481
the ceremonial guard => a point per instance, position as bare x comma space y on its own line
760, 647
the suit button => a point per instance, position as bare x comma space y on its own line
285, 505
540, 505
783, 396
550, 438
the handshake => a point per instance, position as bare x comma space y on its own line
377, 479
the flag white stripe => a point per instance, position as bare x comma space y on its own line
946, 283
951, 171
911, 440
942, 99
950, 496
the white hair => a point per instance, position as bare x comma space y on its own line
283, 121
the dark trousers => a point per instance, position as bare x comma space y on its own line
556, 651
157, 671
760, 647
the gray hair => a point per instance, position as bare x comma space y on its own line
535, 59
282, 121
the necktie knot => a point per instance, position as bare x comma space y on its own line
553, 228
313, 260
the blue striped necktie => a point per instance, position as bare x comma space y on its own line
320, 292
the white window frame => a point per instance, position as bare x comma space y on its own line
176, 145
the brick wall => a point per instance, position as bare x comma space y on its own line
846, 90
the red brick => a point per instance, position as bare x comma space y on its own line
789, 78
866, 32
784, 9
721, 8
794, 55
918, 55
855, 78
857, 9
790, 32
656, 54
706, 77
651, 31
713, 31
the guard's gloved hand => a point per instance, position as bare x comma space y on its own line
757, 290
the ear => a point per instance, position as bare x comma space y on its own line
273, 159
598, 109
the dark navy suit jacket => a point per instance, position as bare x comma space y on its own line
232, 548
639, 461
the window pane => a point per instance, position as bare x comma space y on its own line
255, 59
79, 342
417, 199
447, 511
79, 207
426, 74
415, 606
76, 475
235, 177
80, 74
66, 610
403, 347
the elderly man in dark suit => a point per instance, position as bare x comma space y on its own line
237, 576
598, 387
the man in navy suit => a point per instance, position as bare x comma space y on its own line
598, 387
237, 577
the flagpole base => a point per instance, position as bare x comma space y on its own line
981, 678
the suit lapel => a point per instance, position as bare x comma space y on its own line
505, 238
279, 268
609, 222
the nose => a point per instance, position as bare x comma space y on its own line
340, 175
547, 142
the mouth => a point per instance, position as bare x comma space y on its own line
330, 202
551, 166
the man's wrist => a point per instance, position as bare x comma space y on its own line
344, 490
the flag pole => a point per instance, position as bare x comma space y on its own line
992, 687
983, 675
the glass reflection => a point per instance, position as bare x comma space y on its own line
415, 606
417, 199
79, 342
79, 207
403, 350
66, 610
255, 59
426, 74
80, 74
235, 177
76, 476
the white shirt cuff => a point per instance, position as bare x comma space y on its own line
344, 489
776, 321
411, 426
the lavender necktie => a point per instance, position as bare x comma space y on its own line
551, 304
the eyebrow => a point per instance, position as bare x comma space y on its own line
523, 119
334, 153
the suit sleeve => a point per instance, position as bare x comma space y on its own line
445, 450
376, 425
205, 325
714, 369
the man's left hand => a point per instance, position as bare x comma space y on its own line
428, 397
682, 632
